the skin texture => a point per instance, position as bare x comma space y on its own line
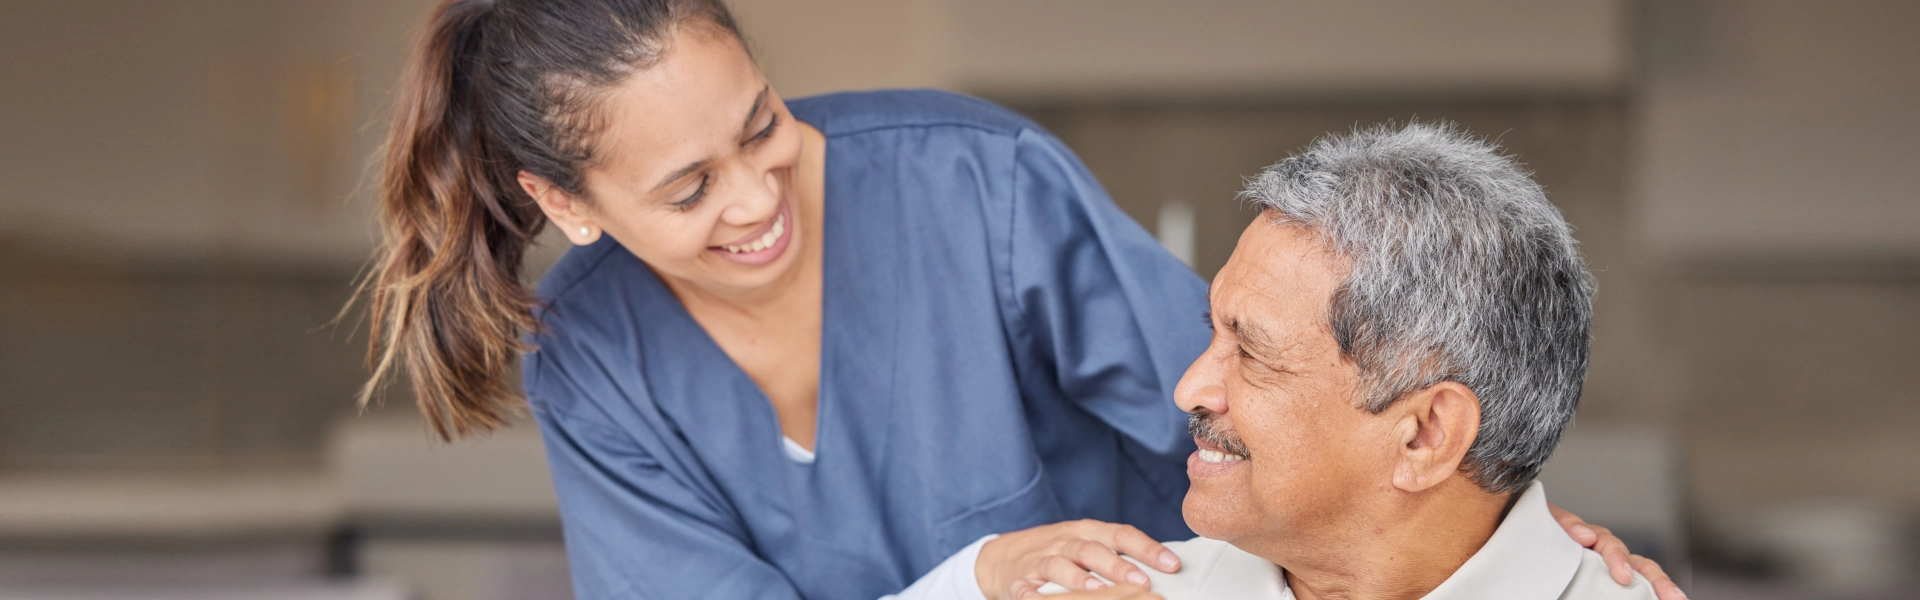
1352, 504
705, 103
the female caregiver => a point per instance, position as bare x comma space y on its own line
802, 350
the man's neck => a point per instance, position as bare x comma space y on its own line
1399, 548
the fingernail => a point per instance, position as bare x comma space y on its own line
1583, 531
1137, 578
1094, 584
1169, 562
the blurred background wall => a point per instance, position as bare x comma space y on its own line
184, 204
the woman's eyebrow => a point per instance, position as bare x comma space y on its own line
682, 172
759, 100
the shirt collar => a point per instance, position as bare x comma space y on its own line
1529, 556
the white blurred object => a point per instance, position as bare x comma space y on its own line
1175, 229
1839, 546
199, 504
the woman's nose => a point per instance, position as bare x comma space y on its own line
758, 199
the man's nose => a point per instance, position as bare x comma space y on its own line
1203, 385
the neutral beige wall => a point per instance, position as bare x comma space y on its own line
1773, 199
1209, 48
823, 46
235, 129
1781, 129
195, 129
1195, 48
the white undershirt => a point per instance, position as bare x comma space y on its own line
795, 451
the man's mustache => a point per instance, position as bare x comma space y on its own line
1206, 427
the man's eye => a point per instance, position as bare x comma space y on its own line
698, 193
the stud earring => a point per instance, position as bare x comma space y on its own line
585, 232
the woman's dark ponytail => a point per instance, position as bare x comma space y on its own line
447, 305
495, 88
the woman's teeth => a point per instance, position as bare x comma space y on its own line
1218, 456
766, 241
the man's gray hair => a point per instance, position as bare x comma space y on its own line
1460, 270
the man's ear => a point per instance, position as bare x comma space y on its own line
1436, 427
563, 210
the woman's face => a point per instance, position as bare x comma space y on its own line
695, 169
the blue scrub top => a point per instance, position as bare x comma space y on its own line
999, 348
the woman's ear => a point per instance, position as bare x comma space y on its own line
562, 209
1438, 425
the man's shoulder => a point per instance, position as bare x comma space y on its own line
1211, 568
1593, 582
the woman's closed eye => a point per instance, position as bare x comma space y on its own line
694, 199
766, 132
700, 192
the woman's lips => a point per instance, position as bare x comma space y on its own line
764, 246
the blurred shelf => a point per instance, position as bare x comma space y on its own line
170, 505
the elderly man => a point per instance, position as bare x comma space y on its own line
1398, 343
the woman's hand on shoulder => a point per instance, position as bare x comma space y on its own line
1620, 563
1016, 564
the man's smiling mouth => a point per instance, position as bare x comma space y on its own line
1215, 445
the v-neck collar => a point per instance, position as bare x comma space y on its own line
707, 389
718, 403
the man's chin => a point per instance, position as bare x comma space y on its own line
1214, 515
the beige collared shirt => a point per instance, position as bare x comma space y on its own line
1528, 558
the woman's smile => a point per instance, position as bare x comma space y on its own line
763, 246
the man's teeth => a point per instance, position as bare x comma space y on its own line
766, 241
1218, 456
